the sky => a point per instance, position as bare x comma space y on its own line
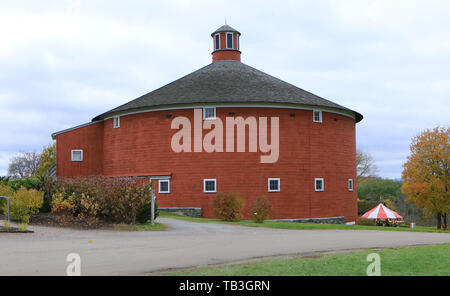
63, 62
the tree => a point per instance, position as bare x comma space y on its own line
48, 159
365, 166
24, 164
426, 177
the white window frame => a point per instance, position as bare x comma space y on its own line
350, 181
76, 150
315, 184
204, 113
116, 121
320, 116
268, 185
168, 186
232, 40
216, 44
204, 186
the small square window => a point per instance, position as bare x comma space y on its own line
217, 41
77, 155
229, 40
209, 186
350, 184
164, 186
273, 184
319, 184
116, 122
317, 116
209, 113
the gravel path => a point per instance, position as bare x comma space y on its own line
183, 245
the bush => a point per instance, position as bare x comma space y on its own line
367, 222
260, 209
16, 184
94, 199
24, 203
228, 206
146, 211
5, 191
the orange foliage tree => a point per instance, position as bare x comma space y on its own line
426, 172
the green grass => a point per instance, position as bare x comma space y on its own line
303, 226
140, 227
408, 261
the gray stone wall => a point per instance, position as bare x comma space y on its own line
189, 212
327, 220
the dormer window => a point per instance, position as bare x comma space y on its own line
230, 40
116, 122
217, 41
209, 113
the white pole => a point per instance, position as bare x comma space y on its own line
152, 219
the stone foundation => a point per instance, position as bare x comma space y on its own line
327, 220
189, 212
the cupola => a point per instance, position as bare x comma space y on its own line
226, 44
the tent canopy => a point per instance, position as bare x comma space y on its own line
381, 212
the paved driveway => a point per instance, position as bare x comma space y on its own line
184, 245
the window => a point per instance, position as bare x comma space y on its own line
237, 38
217, 41
229, 40
77, 155
116, 122
164, 186
209, 186
319, 184
317, 116
273, 184
209, 113
350, 184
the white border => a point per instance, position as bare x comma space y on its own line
215, 45
215, 113
76, 150
350, 188
204, 185
320, 116
168, 186
315, 185
273, 179
226, 40
118, 121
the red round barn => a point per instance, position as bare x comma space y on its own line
225, 127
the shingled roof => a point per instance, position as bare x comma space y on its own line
225, 28
226, 82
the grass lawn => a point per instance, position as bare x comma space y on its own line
140, 227
305, 226
419, 260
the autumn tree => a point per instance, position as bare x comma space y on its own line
48, 159
365, 166
426, 172
24, 164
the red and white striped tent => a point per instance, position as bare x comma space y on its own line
382, 212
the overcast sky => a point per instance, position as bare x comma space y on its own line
64, 62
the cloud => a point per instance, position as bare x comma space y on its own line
61, 63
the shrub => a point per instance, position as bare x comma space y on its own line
367, 222
24, 203
228, 206
94, 199
145, 212
260, 209
64, 208
5, 190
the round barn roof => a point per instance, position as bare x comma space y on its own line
227, 82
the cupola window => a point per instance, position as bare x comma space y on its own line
116, 122
229, 40
217, 42
317, 116
209, 113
